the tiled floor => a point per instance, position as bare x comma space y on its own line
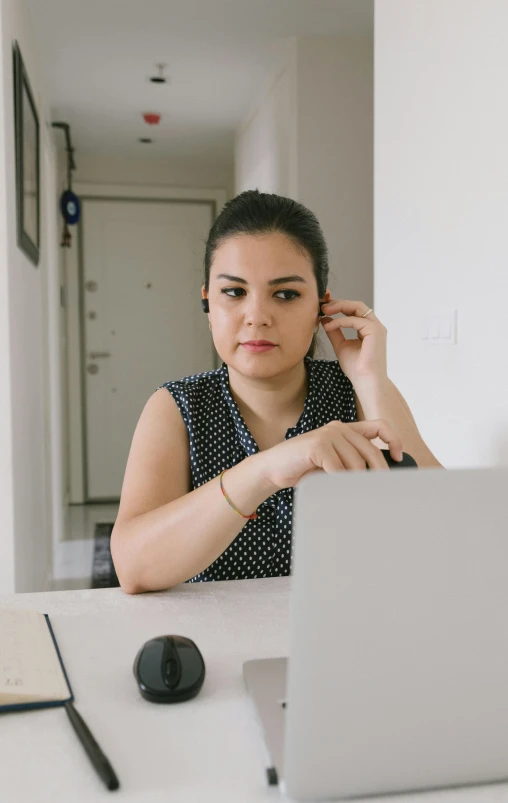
72, 557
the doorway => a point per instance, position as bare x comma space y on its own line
140, 268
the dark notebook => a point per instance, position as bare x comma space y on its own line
32, 674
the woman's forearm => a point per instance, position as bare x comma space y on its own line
169, 545
384, 401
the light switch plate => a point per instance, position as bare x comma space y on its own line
440, 328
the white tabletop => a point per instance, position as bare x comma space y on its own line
207, 749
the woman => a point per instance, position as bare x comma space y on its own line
208, 488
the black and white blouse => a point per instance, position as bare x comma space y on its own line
219, 439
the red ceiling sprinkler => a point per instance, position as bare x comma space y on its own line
152, 118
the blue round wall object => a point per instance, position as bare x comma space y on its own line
70, 207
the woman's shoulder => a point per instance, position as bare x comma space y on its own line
196, 387
196, 394
328, 369
194, 382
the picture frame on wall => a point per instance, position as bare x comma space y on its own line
27, 152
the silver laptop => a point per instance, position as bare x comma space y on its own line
398, 672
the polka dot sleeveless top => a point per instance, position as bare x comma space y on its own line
219, 439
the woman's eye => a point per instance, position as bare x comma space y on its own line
233, 292
287, 295
283, 295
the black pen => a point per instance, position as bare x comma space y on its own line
95, 754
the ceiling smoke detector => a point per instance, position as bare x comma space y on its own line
159, 79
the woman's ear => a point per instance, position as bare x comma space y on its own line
324, 301
204, 300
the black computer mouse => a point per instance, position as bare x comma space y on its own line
169, 669
406, 462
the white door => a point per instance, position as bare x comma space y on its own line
142, 319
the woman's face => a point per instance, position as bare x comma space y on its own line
263, 302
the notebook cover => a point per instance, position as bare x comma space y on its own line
42, 703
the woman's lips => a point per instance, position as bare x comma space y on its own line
258, 345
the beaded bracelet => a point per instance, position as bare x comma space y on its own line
228, 500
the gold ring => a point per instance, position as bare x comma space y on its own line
367, 313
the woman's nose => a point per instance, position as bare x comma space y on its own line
257, 313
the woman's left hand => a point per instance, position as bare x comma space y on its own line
362, 358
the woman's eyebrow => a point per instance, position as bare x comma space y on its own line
287, 279
232, 278
282, 280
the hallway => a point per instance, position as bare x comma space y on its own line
73, 557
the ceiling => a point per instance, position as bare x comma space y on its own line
97, 57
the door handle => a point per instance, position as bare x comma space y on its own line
97, 355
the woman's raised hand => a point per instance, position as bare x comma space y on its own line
361, 358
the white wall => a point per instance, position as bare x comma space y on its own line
441, 211
148, 170
25, 489
265, 143
56, 347
6, 444
335, 154
309, 136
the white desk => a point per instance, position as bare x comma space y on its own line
208, 749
